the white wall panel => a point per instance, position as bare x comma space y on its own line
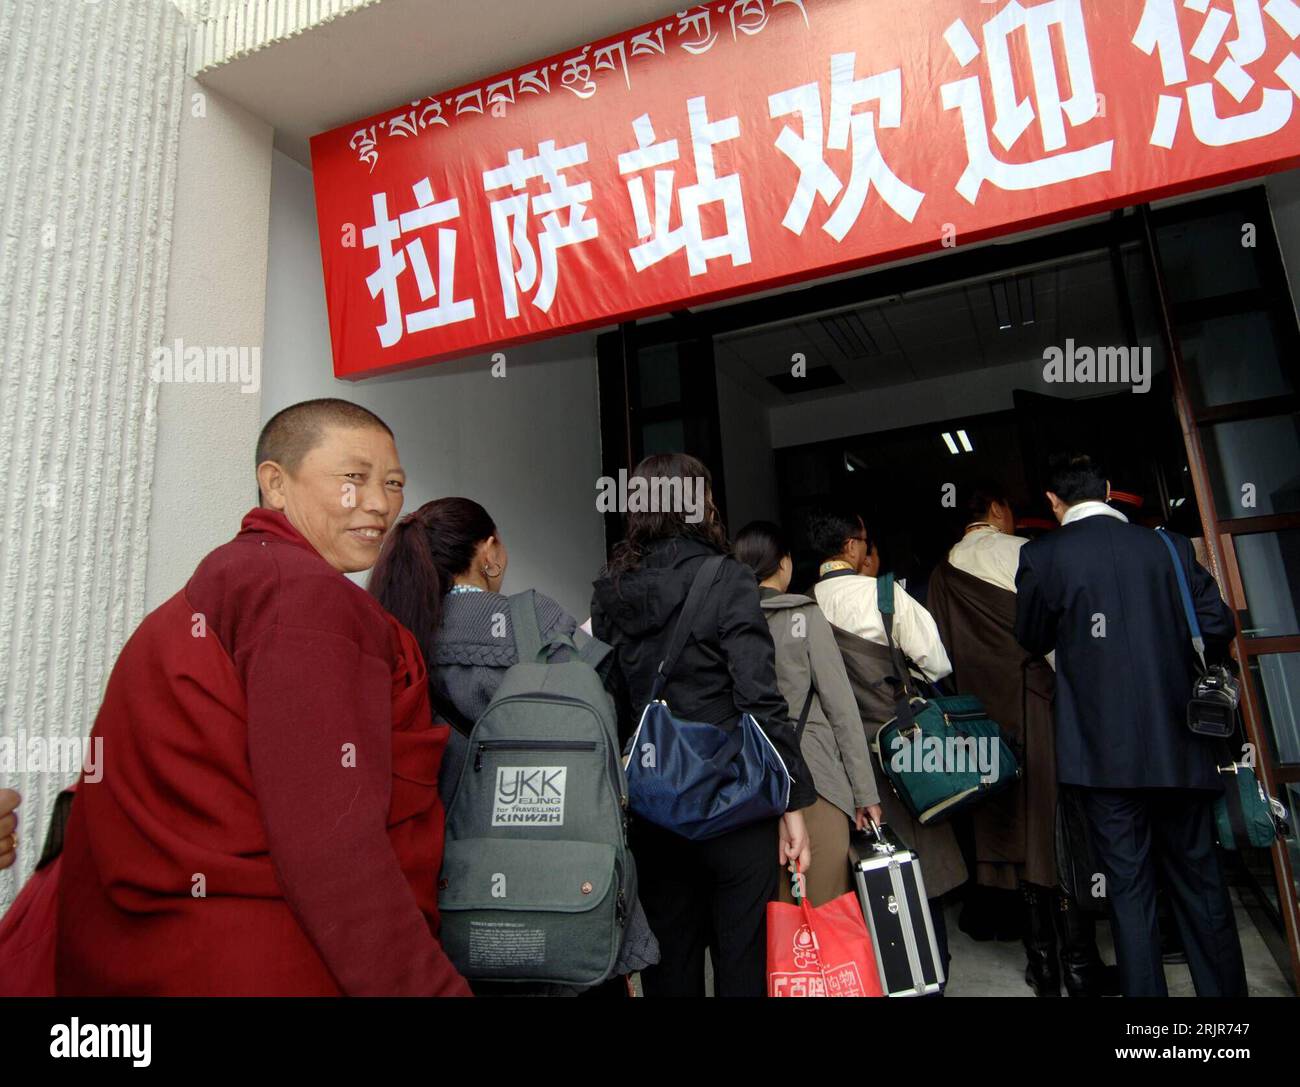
90, 98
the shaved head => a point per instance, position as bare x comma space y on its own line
291, 434
331, 468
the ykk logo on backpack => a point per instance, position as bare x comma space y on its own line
529, 796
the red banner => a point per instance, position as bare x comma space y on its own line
746, 144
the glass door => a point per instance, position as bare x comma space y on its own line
657, 397
1232, 326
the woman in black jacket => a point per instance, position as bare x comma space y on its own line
711, 893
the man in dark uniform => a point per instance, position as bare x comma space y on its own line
1104, 595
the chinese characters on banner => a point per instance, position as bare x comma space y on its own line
743, 144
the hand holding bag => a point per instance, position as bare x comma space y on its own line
820, 951
693, 778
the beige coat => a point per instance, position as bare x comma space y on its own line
833, 743
867, 665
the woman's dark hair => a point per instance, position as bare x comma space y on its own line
668, 473
420, 560
761, 545
1076, 477
980, 498
829, 528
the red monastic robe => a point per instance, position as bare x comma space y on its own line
268, 822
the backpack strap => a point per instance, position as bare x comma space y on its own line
1198, 642
591, 651
529, 644
452, 716
523, 622
704, 579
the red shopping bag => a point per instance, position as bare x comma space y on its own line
821, 951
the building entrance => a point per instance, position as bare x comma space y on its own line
1163, 342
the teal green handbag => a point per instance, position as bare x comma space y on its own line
940, 754
1243, 815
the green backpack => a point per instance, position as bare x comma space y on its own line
537, 878
940, 754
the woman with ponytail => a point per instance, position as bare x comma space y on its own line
440, 575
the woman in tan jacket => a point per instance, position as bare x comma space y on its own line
811, 675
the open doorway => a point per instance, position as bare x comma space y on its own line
887, 388
923, 394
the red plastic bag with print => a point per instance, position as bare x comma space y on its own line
820, 951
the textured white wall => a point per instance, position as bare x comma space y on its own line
216, 298
527, 446
226, 29
90, 96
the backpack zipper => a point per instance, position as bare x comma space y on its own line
529, 745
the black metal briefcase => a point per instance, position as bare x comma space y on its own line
887, 874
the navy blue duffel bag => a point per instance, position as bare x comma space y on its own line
693, 778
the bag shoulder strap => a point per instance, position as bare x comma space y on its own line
1184, 590
803, 715
704, 578
530, 646
523, 622
450, 714
885, 602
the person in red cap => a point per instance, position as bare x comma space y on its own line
268, 820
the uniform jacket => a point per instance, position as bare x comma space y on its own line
1103, 593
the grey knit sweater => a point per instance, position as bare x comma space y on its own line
476, 644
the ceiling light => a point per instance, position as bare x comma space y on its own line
952, 446
965, 441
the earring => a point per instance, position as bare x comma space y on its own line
491, 573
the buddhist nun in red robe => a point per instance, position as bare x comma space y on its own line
268, 820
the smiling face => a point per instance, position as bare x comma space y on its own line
343, 496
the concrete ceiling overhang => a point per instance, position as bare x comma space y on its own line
388, 53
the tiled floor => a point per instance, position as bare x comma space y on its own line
997, 969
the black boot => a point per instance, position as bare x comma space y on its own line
1041, 972
1081, 963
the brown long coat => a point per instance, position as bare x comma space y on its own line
867, 663
1014, 829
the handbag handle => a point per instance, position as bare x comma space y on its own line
704, 578
1184, 591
